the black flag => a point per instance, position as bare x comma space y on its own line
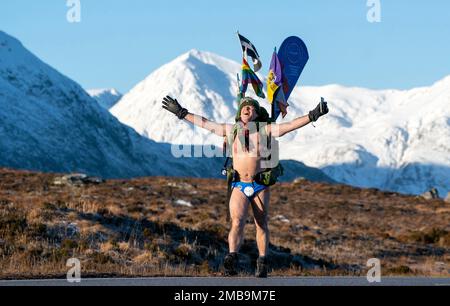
248, 47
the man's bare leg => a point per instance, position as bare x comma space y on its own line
238, 212
260, 206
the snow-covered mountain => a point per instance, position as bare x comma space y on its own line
49, 123
106, 97
388, 139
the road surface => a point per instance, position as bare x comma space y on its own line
228, 282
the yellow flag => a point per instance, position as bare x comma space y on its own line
272, 87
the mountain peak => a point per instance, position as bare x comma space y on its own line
106, 97
194, 57
195, 53
11, 50
99, 91
191, 54
198, 54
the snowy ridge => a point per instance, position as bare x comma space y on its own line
106, 97
388, 139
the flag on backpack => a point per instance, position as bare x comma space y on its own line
249, 49
275, 78
275, 91
250, 77
279, 104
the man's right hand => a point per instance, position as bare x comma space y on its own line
174, 107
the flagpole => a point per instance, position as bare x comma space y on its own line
274, 101
239, 81
240, 45
239, 86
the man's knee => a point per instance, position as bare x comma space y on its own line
262, 223
237, 224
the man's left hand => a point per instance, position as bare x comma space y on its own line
319, 111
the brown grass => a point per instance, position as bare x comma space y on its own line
135, 228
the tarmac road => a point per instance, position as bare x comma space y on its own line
230, 282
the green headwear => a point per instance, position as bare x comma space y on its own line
263, 115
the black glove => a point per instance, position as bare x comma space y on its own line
174, 107
319, 111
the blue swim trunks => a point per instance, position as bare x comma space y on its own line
249, 189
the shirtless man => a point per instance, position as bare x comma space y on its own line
247, 163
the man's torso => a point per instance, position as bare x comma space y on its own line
248, 157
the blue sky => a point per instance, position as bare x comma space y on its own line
118, 43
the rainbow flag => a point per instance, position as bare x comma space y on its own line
250, 77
